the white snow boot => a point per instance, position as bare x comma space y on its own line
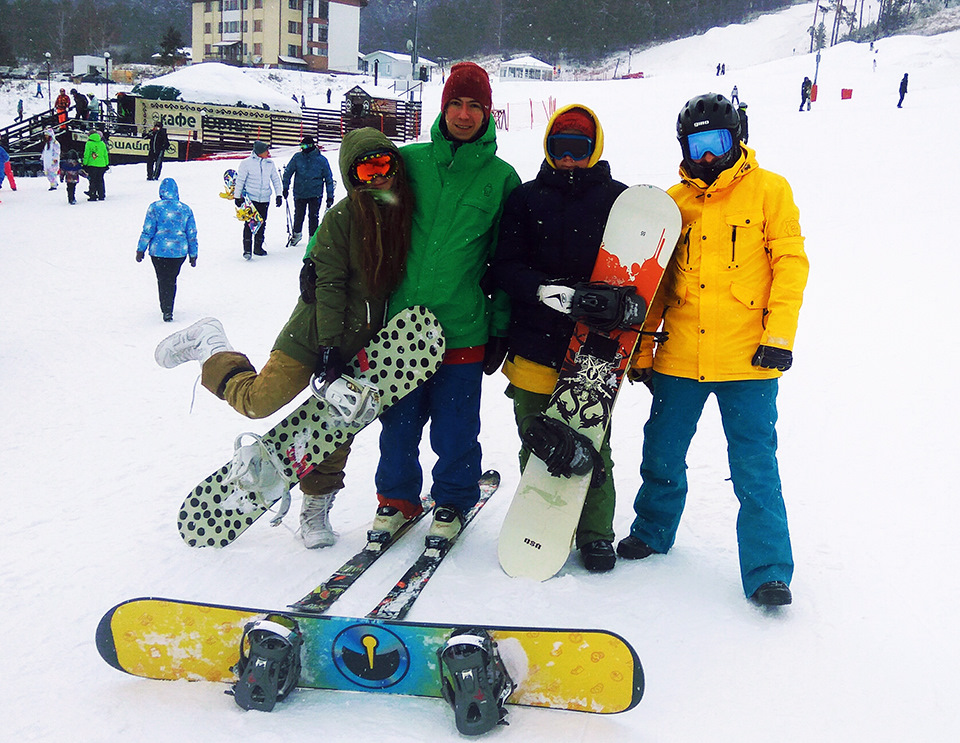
447, 523
197, 343
315, 529
295, 239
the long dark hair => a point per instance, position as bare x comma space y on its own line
384, 225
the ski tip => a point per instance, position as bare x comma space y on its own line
490, 477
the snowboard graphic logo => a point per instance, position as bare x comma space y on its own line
370, 656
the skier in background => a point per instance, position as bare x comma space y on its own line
96, 160
311, 174
20, 110
734, 96
169, 235
550, 233
353, 262
903, 90
806, 90
256, 177
729, 302
81, 104
744, 122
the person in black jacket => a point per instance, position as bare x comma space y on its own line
158, 146
550, 233
903, 90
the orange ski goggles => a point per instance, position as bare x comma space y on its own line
374, 165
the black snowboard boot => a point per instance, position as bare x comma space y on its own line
632, 548
598, 556
773, 593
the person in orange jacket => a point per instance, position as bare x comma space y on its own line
729, 304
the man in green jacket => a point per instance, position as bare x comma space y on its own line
459, 187
95, 162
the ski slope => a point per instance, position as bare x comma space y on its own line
100, 445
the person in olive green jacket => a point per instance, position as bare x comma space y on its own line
354, 261
459, 187
95, 163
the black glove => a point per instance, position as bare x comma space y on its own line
643, 376
329, 364
139, 256
238, 202
329, 202
279, 200
771, 357
494, 353
308, 281
193, 261
286, 192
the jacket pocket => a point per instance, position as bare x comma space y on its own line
753, 298
744, 230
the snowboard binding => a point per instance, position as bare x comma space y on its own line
269, 665
354, 400
565, 451
474, 681
601, 306
256, 475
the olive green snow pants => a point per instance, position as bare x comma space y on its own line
596, 519
231, 377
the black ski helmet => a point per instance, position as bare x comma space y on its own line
703, 113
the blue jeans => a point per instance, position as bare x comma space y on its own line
748, 411
450, 400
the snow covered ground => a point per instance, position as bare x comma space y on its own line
99, 445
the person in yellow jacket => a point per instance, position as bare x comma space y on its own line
729, 304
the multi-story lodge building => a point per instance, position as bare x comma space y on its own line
314, 35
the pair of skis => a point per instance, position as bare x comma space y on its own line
396, 604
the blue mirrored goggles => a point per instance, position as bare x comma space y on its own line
715, 141
576, 146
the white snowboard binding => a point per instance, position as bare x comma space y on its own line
353, 400
256, 478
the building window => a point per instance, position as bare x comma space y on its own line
230, 5
208, 7
244, 27
258, 50
208, 28
207, 50
293, 50
257, 27
293, 4
294, 27
257, 4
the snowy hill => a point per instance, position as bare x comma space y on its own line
100, 445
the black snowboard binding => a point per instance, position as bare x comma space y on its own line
606, 307
474, 681
269, 666
565, 451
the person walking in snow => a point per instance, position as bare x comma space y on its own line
20, 110
354, 260
93, 107
903, 90
257, 176
459, 187
729, 304
4, 164
70, 170
156, 149
744, 122
50, 159
39, 93
734, 96
96, 160
169, 236
806, 90
550, 233
311, 174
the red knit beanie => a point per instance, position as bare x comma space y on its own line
470, 80
575, 119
